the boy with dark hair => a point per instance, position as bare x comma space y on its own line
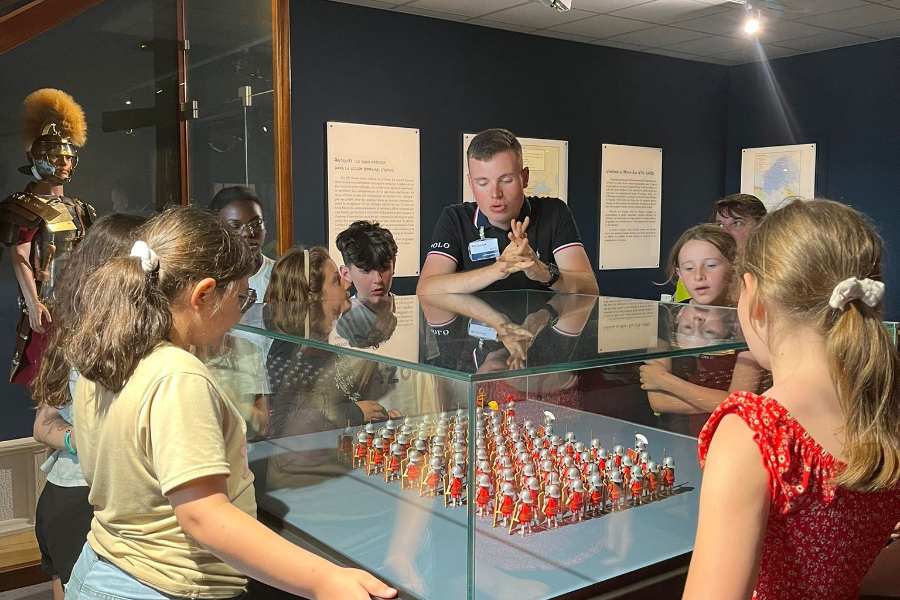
370, 255
738, 214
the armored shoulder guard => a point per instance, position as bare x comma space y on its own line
88, 214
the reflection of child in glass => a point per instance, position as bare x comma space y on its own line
800, 491
702, 259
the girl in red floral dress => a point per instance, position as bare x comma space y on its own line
800, 491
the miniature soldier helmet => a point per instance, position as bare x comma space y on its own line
479, 443
616, 477
402, 439
443, 424
554, 440
505, 462
515, 438
407, 421
594, 469
595, 443
427, 420
499, 440
596, 481
652, 467
545, 454
533, 483
528, 471
627, 462
508, 489
443, 416
484, 480
460, 413
637, 475
378, 443
436, 462
509, 474
669, 462
484, 466
553, 491
348, 432
602, 453
457, 471
568, 462
386, 434
396, 448
441, 431
585, 457
547, 466
524, 457
501, 450
391, 424
528, 424
370, 429
525, 497
570, 436
521, 447
459, 458
420, 445
481, 454
574, 473
437, 441
577, 486
479, 433
361, 436
645, 457
548, 430
618, 450
554, 478
406, 428
415, 456
530, 432
422, 435
579, 447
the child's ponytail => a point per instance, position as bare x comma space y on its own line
125, 316
865, 368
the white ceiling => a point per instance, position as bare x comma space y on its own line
703, 30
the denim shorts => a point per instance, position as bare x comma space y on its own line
96, 579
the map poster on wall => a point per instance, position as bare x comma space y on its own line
630, 207
548, 168
373, 174
776, 173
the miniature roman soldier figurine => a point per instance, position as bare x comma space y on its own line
653, 480
597, 496
551, 506
575, 500
616, 490
41, 224
602, 457
524, 514
370, 434
637, 488
392, 465
361, 453
433, 480
375, 457
668, 475
413, 474
345, 446
483, 495
455, 486
618, 452
627, 465
534, 487
505, 504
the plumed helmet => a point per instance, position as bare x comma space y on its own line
53, 126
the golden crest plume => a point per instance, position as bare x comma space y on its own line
47, 106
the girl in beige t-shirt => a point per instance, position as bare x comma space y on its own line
163, 450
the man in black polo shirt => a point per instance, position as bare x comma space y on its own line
504, 240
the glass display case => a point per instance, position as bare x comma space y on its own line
495, 445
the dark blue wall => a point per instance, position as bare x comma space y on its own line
362, 65
845, 101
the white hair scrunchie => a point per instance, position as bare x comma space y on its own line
149, 259
870, 292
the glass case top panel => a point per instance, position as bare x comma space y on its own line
495, 335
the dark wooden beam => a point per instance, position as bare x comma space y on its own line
37, 17
281, 98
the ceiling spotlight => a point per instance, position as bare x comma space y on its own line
560, 5
752, 24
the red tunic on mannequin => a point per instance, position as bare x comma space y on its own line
820, 539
